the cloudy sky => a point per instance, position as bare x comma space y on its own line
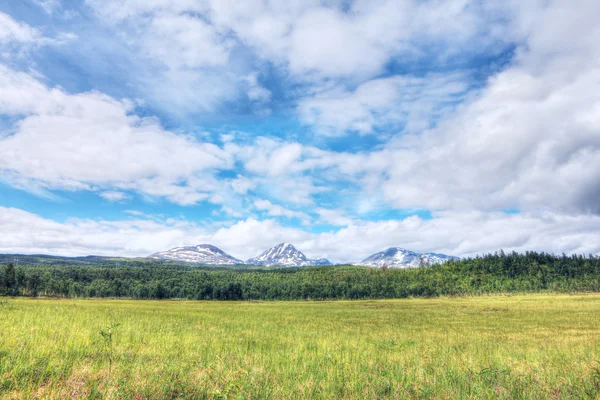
344, 127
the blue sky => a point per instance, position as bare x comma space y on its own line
344, 127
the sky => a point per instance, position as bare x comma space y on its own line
461, 127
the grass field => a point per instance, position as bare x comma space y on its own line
536, 346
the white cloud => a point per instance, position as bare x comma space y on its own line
275, 158
183, 63
278, 162
230, 212
183, 92
255, 90
14, 31
333, 217
23, 232
90, 141
136, 213
405, 103
339, 39
114, 196
276, 210
49, 6
530, 140
310, 39
182, 41
472, 233
241, 185
250, 237
327, 34
18, 38
198, 54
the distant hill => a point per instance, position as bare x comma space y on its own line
45, 259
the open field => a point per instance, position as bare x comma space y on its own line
534, 346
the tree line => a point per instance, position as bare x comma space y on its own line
493, 273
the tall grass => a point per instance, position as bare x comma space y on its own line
536, 346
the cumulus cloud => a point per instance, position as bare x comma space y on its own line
340, 39
472, 233
530, 140
276, 210
24, 232
333, 217
183, 63
90, 141
241, 185
182, 41
526, 137
328, 34
404, 103
204, 51
279, 161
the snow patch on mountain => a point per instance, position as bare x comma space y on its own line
286, 255
396, 257
319, 261
200, 254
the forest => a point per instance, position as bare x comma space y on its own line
490, 274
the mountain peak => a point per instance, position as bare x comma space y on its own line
285, 254
391, 251
397, 257
201, 254
284, 246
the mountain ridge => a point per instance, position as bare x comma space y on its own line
285, 254
201, 254
398, 257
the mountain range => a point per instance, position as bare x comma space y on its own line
286, 255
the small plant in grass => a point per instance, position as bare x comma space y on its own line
231, 387
596, 376
107, 334
3, 303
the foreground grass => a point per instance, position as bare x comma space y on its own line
536, 346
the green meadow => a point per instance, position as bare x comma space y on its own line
526, 346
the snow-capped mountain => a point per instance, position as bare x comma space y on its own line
286, 255
396, 257
201, 254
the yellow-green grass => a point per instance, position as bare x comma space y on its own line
534, 346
